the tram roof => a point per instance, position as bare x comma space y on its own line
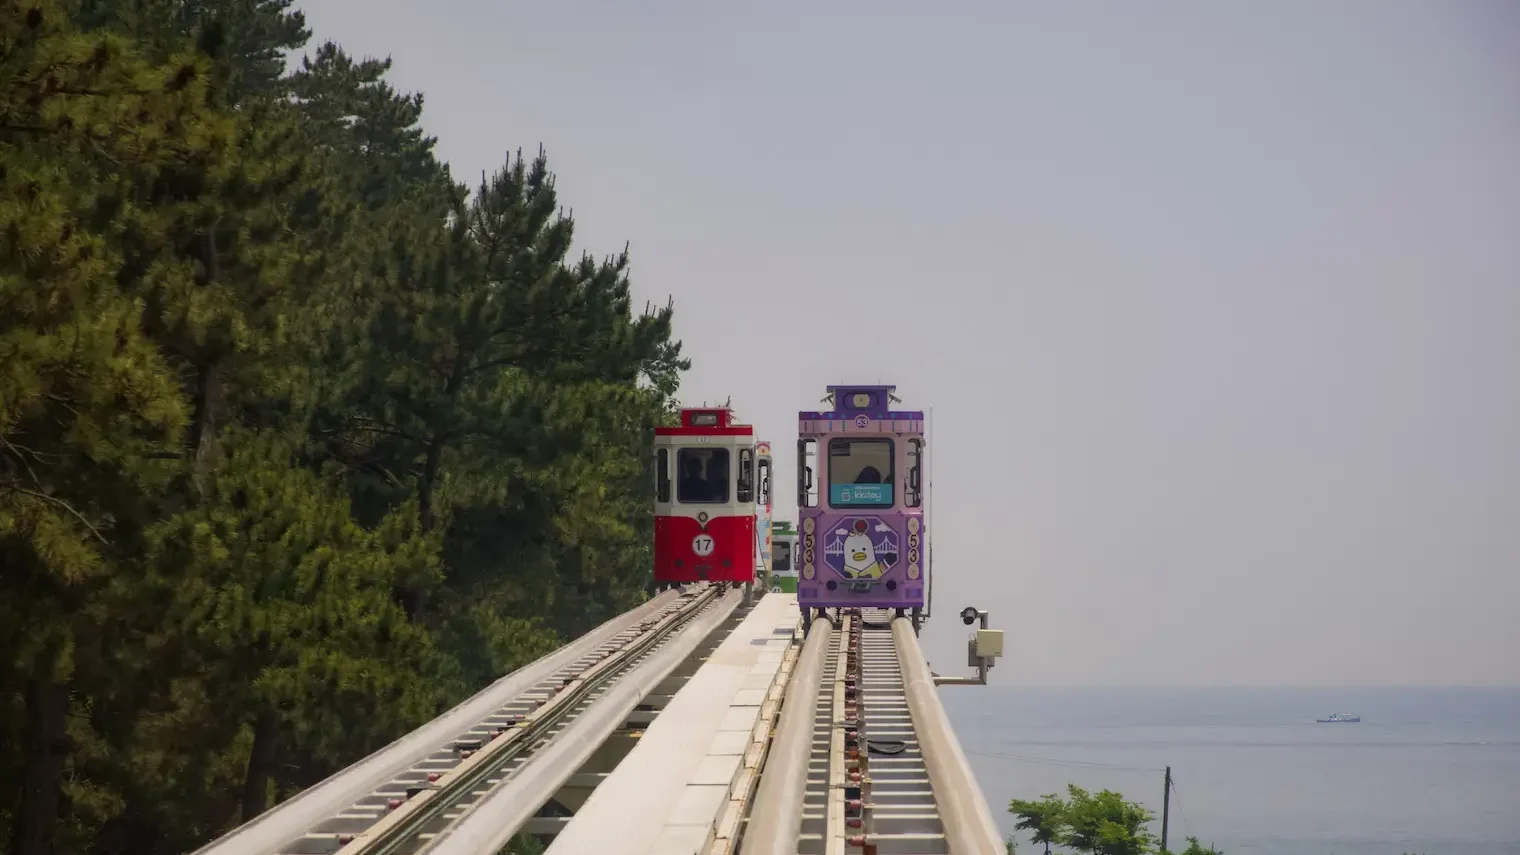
707, 421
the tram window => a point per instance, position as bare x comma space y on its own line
781, 558
807, 485
662, 476
764, 467
703, 476
913, 496
860, 473
746, 491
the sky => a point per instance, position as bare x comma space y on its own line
1216, 305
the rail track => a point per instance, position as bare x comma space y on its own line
400, 800
862, 760
864, 727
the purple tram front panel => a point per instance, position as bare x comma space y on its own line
860, 501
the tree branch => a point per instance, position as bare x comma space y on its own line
15, 451
57, 502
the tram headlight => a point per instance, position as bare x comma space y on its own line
913, 570
913, 524
807, 570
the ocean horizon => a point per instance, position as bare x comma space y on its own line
1431, 770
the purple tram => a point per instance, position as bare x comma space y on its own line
860, 499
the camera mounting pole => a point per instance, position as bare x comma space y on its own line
982, 649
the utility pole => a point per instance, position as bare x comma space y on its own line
1166, 807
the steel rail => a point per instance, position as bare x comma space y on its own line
812, 790
775, 819
402, 825
836, 833
969, 826
491, 823
269, 831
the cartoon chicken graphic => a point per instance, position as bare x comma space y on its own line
860, 554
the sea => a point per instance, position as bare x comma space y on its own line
1429, 771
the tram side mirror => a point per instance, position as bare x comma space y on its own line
968, 615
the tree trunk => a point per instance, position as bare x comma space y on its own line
428, 482
208, 383
411, 597
208, 406
261, 765
435, 446
47, 710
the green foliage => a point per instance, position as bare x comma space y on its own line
245, 41
500, 387
85, 398
1102, 823
1106, 824
89, 406
523, 844
1044, 820
284, 606
1196, 848
299, 443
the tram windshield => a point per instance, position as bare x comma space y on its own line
860, 473
781, 558
703, 478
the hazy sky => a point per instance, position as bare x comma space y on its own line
1217, 305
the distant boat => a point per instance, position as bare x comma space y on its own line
1337, 718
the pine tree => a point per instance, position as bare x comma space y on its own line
294, 435
244, 41
284, 610
88, 407
500, 387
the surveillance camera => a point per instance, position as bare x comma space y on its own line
969, 615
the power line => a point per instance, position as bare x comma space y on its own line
1182, 819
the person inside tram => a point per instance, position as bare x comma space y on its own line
868, 475
693, 486
717, 476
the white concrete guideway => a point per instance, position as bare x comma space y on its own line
669, 794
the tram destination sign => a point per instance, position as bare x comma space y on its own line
860, 495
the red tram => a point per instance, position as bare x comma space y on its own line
704, 527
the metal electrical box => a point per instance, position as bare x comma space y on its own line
989, 643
